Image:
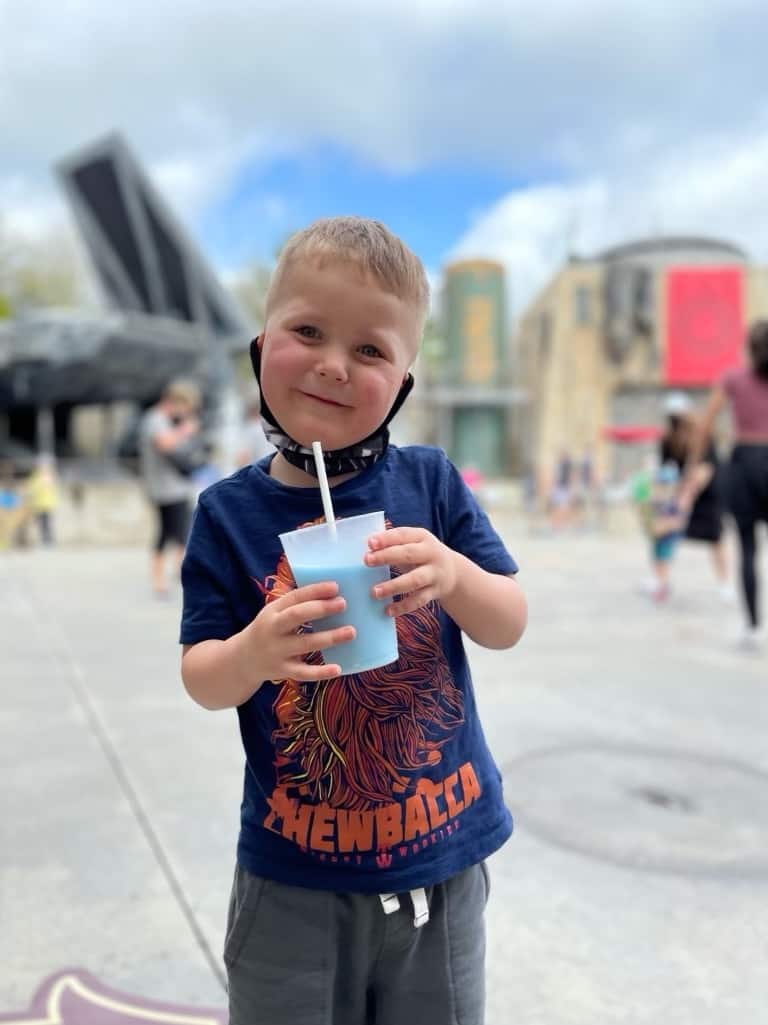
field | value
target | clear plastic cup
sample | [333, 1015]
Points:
[315, 555]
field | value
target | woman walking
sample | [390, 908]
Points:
[745, 390]
[705, 519]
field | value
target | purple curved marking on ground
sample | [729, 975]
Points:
[75, 997]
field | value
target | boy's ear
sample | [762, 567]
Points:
[255, 354]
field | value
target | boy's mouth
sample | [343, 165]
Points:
[320, 398]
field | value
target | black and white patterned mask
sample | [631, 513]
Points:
[341, 460]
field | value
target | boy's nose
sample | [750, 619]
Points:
[332, 365]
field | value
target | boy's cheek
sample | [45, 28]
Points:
[280, 364]
[381, 391]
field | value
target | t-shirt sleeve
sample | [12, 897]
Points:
[206, 576]
[467, 529]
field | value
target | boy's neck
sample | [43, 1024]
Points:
[295, 477]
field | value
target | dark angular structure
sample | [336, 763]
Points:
[168, 314]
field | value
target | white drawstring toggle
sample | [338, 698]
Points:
[390, 902]
[420, 908]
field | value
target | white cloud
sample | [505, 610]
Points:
[402, 83]
[594, 93]
[191, 181]
[27, 211]
[711, 188]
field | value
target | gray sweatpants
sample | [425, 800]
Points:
[312, 957]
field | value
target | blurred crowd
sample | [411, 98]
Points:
[686, 490]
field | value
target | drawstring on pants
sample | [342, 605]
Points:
[391, 903]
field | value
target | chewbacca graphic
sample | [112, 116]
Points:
[356, 742]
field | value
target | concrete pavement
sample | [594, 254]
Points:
[632, 741]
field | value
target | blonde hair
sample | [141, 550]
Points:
[183, 390]
[367, 244]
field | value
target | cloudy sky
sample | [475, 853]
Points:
[498, 128]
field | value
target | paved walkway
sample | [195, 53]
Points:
[632, 741]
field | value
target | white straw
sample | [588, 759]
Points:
[325, 491]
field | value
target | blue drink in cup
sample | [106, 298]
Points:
[315, 555]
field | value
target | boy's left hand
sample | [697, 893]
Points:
[428, 568]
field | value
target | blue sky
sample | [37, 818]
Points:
[429, 208]
[505, 129]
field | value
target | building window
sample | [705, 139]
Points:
[642, 300]
[582, 305]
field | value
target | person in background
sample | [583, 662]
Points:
[705, 519]
[666, 520]
[745, 391]
[530, 488]
[587, 499]
[42, 494]
[561, 493]
[475, 481]
[640, 487]
[13, 509]
[166, 428]
[253, 443]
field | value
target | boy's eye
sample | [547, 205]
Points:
[307, 331]
[369, 350]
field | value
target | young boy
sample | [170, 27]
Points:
[370, 801]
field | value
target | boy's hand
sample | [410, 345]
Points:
[428, 568]
[275, 643]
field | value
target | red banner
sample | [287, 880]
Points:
[705, 330]
[629, 434]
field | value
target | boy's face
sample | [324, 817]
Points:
[335, 351]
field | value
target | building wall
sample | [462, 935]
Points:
[475, 364]
[587, 364]
[756, 294]
[475, 317]
[562, 367]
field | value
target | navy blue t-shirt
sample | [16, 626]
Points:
[377, 782]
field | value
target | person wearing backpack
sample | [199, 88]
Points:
[166, 432]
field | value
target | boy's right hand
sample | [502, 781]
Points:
[276, 644]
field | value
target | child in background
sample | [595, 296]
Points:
[667, 523]
[42, 493]
[370, 801]
[13, 509]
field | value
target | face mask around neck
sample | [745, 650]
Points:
[353, 458]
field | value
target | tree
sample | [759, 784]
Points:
[250, 289]
[432, 353]
[39, 273]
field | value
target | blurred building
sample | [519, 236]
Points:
[470, 397]
[608, 336]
